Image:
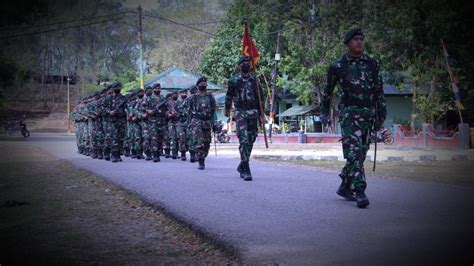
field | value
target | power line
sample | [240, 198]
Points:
[179, 24]
[53, 30]
[61, 22]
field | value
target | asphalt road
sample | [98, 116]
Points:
[291, 215]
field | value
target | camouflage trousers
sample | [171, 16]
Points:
[201, 138]
[114, 135]
[355, 126]
[152, 136]
[166, 138]
[87, 135]
[247, 130]
[97, 134]
[135, 136]
[189, 138]
[79, 128]
[173, 135]
[128, 136]
[182, 131]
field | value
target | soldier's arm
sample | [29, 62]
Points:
[379, 95]
[331, 81]
[229, 96]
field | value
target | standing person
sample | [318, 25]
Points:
[181, 107]
[189, 135]
[115, 107]
[166, 135]
[242, 91]
[362, 109]
[154, 114]
[202, 110]
[173, 124]
[137, 125]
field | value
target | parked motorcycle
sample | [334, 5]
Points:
[222, 136]
[383, 135]
[14, 126]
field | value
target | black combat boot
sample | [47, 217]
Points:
[140, 154]
[107, 154]
[344, 191]
[115, 156]
[126, 152]
[133, 153]
[240, 169]
[247, 175]
[94, 154]
[192, 156]
[79, 150]
[100, 154]
[361, 198]
[148, 155]
[183, 156]
[201, 164]
[175, 154]
[87, 152]
[167, 153]
[156, 156]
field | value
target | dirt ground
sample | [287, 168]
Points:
[53, 213]
[448, 172]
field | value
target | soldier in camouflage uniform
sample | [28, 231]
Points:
[242, 91]
[189, 137]
[91, 113]
[202, 109]
[182, 107]
[115, 108]
[97, 130]
[153, 112]
[362, 109]
[134, 132]
[173, 124]
[166, 135]
[77, 119]
[127, 143]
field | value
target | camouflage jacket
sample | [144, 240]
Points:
[182, 107]
[202, 110]
[360, 85]
[154, 103]
[115, 103]
[243, 92]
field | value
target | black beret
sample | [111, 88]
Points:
[201, 79]
[115, 84]
[183, 91]
[156, 85]
[351, 33]
[193, 88]
[148, 88]
[243, 58]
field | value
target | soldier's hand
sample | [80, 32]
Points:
[112, 113]
[134, 119]
[149, 112]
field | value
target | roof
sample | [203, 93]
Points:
[176, 78]
[312, 109]
[220, 98]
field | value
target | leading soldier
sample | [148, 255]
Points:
[242, 91]
[362, 109]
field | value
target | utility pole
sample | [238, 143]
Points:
[140, 39]
[68, 107]
[274, 78]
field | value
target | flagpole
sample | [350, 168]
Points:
[445, 52]
[258, 94]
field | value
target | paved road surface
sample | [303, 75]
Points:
[291, 215]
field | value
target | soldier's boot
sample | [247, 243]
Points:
[247, 176]
[140, 154]
[183, 156]
[167, 153]
[174, 154]
[79, 150]
[241, 170]
[100, 154]
[344, 191]
[133, 153]
[107, 154]
[148, 155]
[192, 156]
[201, 164]
[156, 156]
[126, 152]
[115, 156]
[361, 198]
[94, 154]
[87, 152]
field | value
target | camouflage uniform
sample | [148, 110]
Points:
[116, 123]
[202, 119]
[182, 107]
[154, 123]
[243, 93]
[173, 124]
[361, 90]
[189, 135]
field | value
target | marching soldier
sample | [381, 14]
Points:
[242, 91]
[362, 109]
[182, 106]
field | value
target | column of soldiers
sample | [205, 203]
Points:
[143, 124]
